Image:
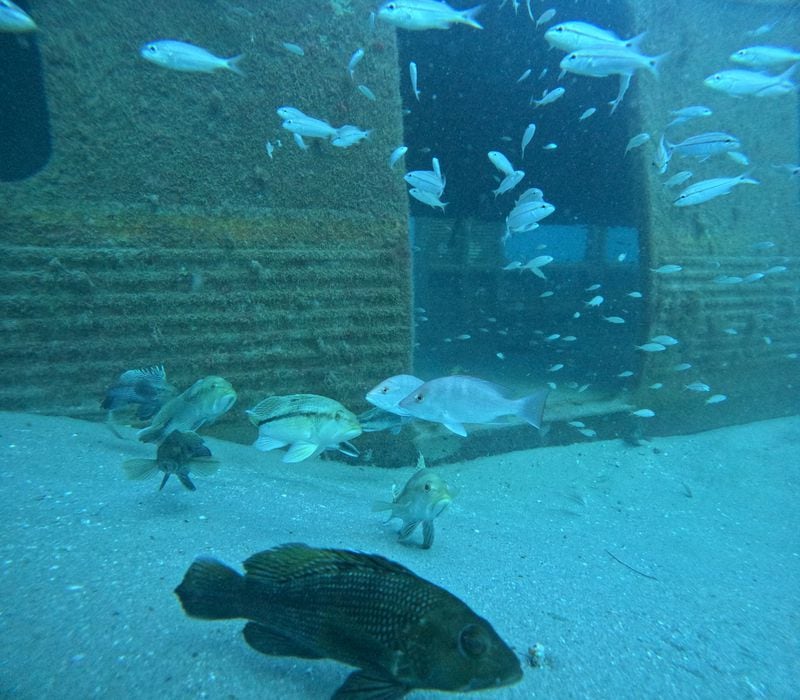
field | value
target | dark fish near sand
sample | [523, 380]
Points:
[400, 631]
[146, 388]
[179, 454]
[201, 404]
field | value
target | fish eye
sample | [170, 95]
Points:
[427, 486]
[419, 397]
[391, 6]
[151, 48]
[385, 390]
[471, 641]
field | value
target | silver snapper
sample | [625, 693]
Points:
[307, 423]
[426, 14]
[706, 190]
[187, 58]
[391, 391]
[747, 82]
[453, 401]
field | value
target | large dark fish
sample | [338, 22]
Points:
[177, 455]
[400, 631]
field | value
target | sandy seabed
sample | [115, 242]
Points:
[669, 570]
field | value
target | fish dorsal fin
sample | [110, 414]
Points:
[296, 560]
[421, 462]
[273, 643]
[366, 685]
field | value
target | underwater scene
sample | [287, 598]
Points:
[367, 350]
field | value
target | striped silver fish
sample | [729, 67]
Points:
[307, 423]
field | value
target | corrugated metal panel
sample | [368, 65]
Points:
[283, 311]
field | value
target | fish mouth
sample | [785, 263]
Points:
[223, 403]
[439, 506]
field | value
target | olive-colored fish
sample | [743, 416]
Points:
[401, 631]
[178, 454]
[423, 498]
[201, 404]
[307, 423]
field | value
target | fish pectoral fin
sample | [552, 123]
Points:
[427, 534]
[298, 451]
[456, 428]
[203, 466]
[367, 685]
[139, 468]
[264, 443]
[185, 480]
[408, 528]
[272, 643]
[347, 448]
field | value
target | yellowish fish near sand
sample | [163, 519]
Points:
[424, 497]
[307, 423]
[201, 404]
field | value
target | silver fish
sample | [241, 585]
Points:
[391, 391]
[509, 182]
[427, 197]
[704, 145]
[453, 401]
[426, 14]
[413, 76]
[307, 423]
[706, 190]
[348, 135]
[765, 56]
[499, 161]
[571, 36]
[181, 56]
[355, 59]
[746, 82]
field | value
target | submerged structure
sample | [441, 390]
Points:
[144, 221]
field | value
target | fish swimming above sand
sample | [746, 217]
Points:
[392, 390]
[400, 631]
[424, 497]
[177, 455]
[307, 423]
[146, 388]
[453, 401]
[201, 404]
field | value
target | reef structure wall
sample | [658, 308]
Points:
[161, 231]
[734, 306]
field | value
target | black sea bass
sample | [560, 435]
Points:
[399, 630]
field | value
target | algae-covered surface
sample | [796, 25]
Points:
[657, 571]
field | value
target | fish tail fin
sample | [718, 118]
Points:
[745, 178]
[211, 591]
[137, 469]
[232, 64]
[654, 64]
[635, 41]
[531, 408]
[468, 16]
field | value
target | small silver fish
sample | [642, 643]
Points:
[417, 15]
[706, 190]
[293, 48]
[348, 135]
[414, 76]
[429, 198]
[364, 90]
[765, 56]
[187, 58]
[355, 59]
[587, 113]
[636, 141]
[424, 497]
[548, 97]
[530, 130]
[745, 82]
[397, 154]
